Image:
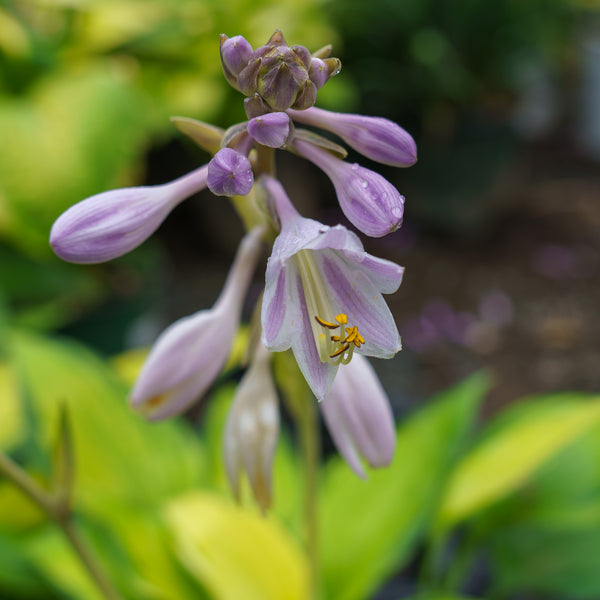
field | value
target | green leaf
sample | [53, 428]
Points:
[119, 457]
[368, 528]
[509, 454]
[558, 558]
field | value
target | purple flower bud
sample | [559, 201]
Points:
[235, 54]
[322, 69]
[188, 356]
[374, 137]
[113, 223]
[272, 129]
[369, 201]
[318, 72]
[230, 173]
[359, 417]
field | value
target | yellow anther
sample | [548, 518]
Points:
[342, 344]
[340, 351]
[326, 323]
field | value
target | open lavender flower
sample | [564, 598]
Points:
[359, 417]
[323, 295]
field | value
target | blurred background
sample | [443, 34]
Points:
[501, 237]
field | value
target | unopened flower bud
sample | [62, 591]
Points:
[252, 430]
[113, 223]
[272, 129]
[369, 201]
[374, 137]
[321, 70]
[235, 54]
[187, 357]
[230, 174]
[280, 76]
[359, 417]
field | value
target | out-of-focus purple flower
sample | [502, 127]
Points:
[323, 295]
[559, 262]
[188, 356]
[272, 129]
[252, 430]
[496, 308]
[113, 223]
[230, 173]
[235, 54]
[359, 417]
[369, 201]
[376, 138]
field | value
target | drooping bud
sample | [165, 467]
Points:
[113, 223]
[235, 54]
[252, 430]
[187, 357]
[272, 129]
[230, 174]
[359, 417]
[376, 138]
[369, 201]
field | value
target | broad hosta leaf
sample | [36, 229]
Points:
[512, 451]
[119, 456]
[78, 132]
[236, 553]
[545, 539]
[368, 528]
[558, 557]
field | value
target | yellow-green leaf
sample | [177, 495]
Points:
[236, 553]
[504, 460]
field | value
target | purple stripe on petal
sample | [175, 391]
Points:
[364, 305]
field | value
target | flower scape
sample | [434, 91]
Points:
[323, 294]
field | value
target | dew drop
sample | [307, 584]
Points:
[364, 184]
[355, 167]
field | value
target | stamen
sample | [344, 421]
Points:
[326, 323]
[343, 344]
[340, 351]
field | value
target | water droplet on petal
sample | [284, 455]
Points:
[355, 167]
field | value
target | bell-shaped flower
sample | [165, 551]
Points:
[188, 356]
[369, 201]
[376, 138]
[359, 417]
[252, 430]
[230, 173]
[323, 295]
[113, 223]
[272, 129]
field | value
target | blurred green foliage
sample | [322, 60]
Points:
[87, 87]
[151, 497]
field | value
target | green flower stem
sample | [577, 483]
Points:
[57, 509]
[311, 451]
